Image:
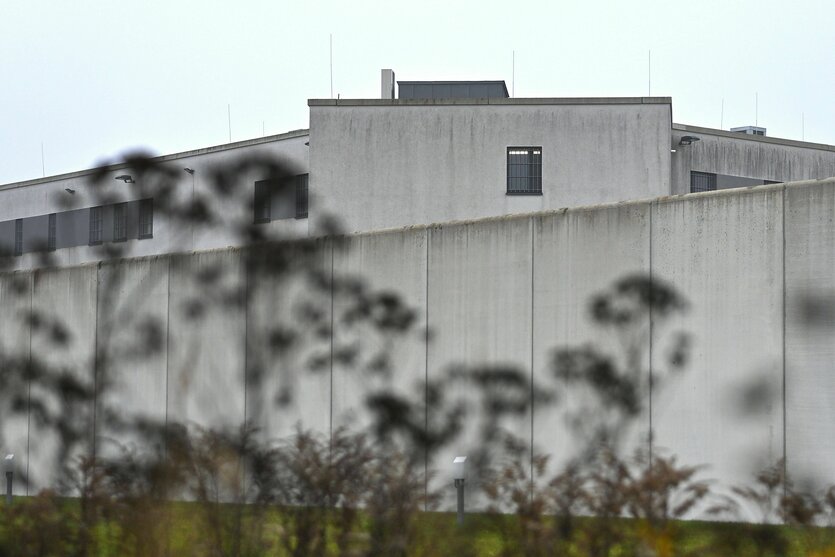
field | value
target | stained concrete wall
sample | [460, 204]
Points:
[41, 197]
[393, 163]
[755, 265]
[746, 156]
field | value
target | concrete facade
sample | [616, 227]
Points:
[34, 200]
[755, 265]
[388, 164]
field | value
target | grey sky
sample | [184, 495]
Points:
[91, 79]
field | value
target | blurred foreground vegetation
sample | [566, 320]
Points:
[48, 525]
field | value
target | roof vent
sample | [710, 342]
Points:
[749, 130]
[452, 90]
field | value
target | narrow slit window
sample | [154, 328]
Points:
[301, 196]
[95, 225]
[146, 219]
[120, 222]
[51, 232]
[18, 237]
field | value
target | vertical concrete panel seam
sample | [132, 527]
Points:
[533, 268]
[426, 374]
[652, 206]
[783, 346]
[167, 357]
[333, 334]
[29, 382]
[245, 300]
[96, 358]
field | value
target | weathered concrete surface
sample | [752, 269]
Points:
[502, 291]
[132, 343]
[207, 328]
[723, 252]
[810, 332]
[290, 387]
[63, 343]
[15, 305]
[479, 314]
[368, 259]
[383, 166]
[577, 255]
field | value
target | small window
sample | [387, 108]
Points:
[51, 238]
[95, 225]
[263, 200]
[524, 170]
[18, 237]
[146, 219]
[301, 196]
[120, 222]
[702, 181]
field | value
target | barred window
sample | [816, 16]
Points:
[263, 199]
[524, 170]
[301, 196]
[95, 225]
[146, 219]
[51, 242]
[18, 237]
[120, 222]
[702, 181]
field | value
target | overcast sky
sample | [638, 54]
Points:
[92, 79]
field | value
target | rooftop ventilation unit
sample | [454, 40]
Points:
[452, 90]
[749, 130]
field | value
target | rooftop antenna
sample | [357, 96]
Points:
[331, 53]
[513, 76]
[649, 73]
[803, 126]
[229, 117]
[43, 166]
[722, 115]
[262, 128]
[756, 109]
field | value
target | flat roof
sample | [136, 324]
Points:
[162, 158]
[497, 101]
[757, 138]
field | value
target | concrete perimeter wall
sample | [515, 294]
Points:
[756, 265]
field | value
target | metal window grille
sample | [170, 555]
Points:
[95, 225]
[301, 196]
[51, 235]
[18, 237]
[524, 170]
[120, 224]
[263, 198]
[702, 181]
[146, 219]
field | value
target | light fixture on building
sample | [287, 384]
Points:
[126, 178]
[189, 170]
[69, 191]
[688, 140]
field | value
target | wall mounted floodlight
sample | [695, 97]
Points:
[689, 140]
[459, 473]
[8, 466]
[189, 170]
[126, 178]
[69, 191]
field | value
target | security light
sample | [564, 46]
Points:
[69, 191]
[689, 140]
[126, 178]
[189, 170]
[8, 466]
[459, 472]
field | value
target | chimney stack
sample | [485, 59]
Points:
[387, 86]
